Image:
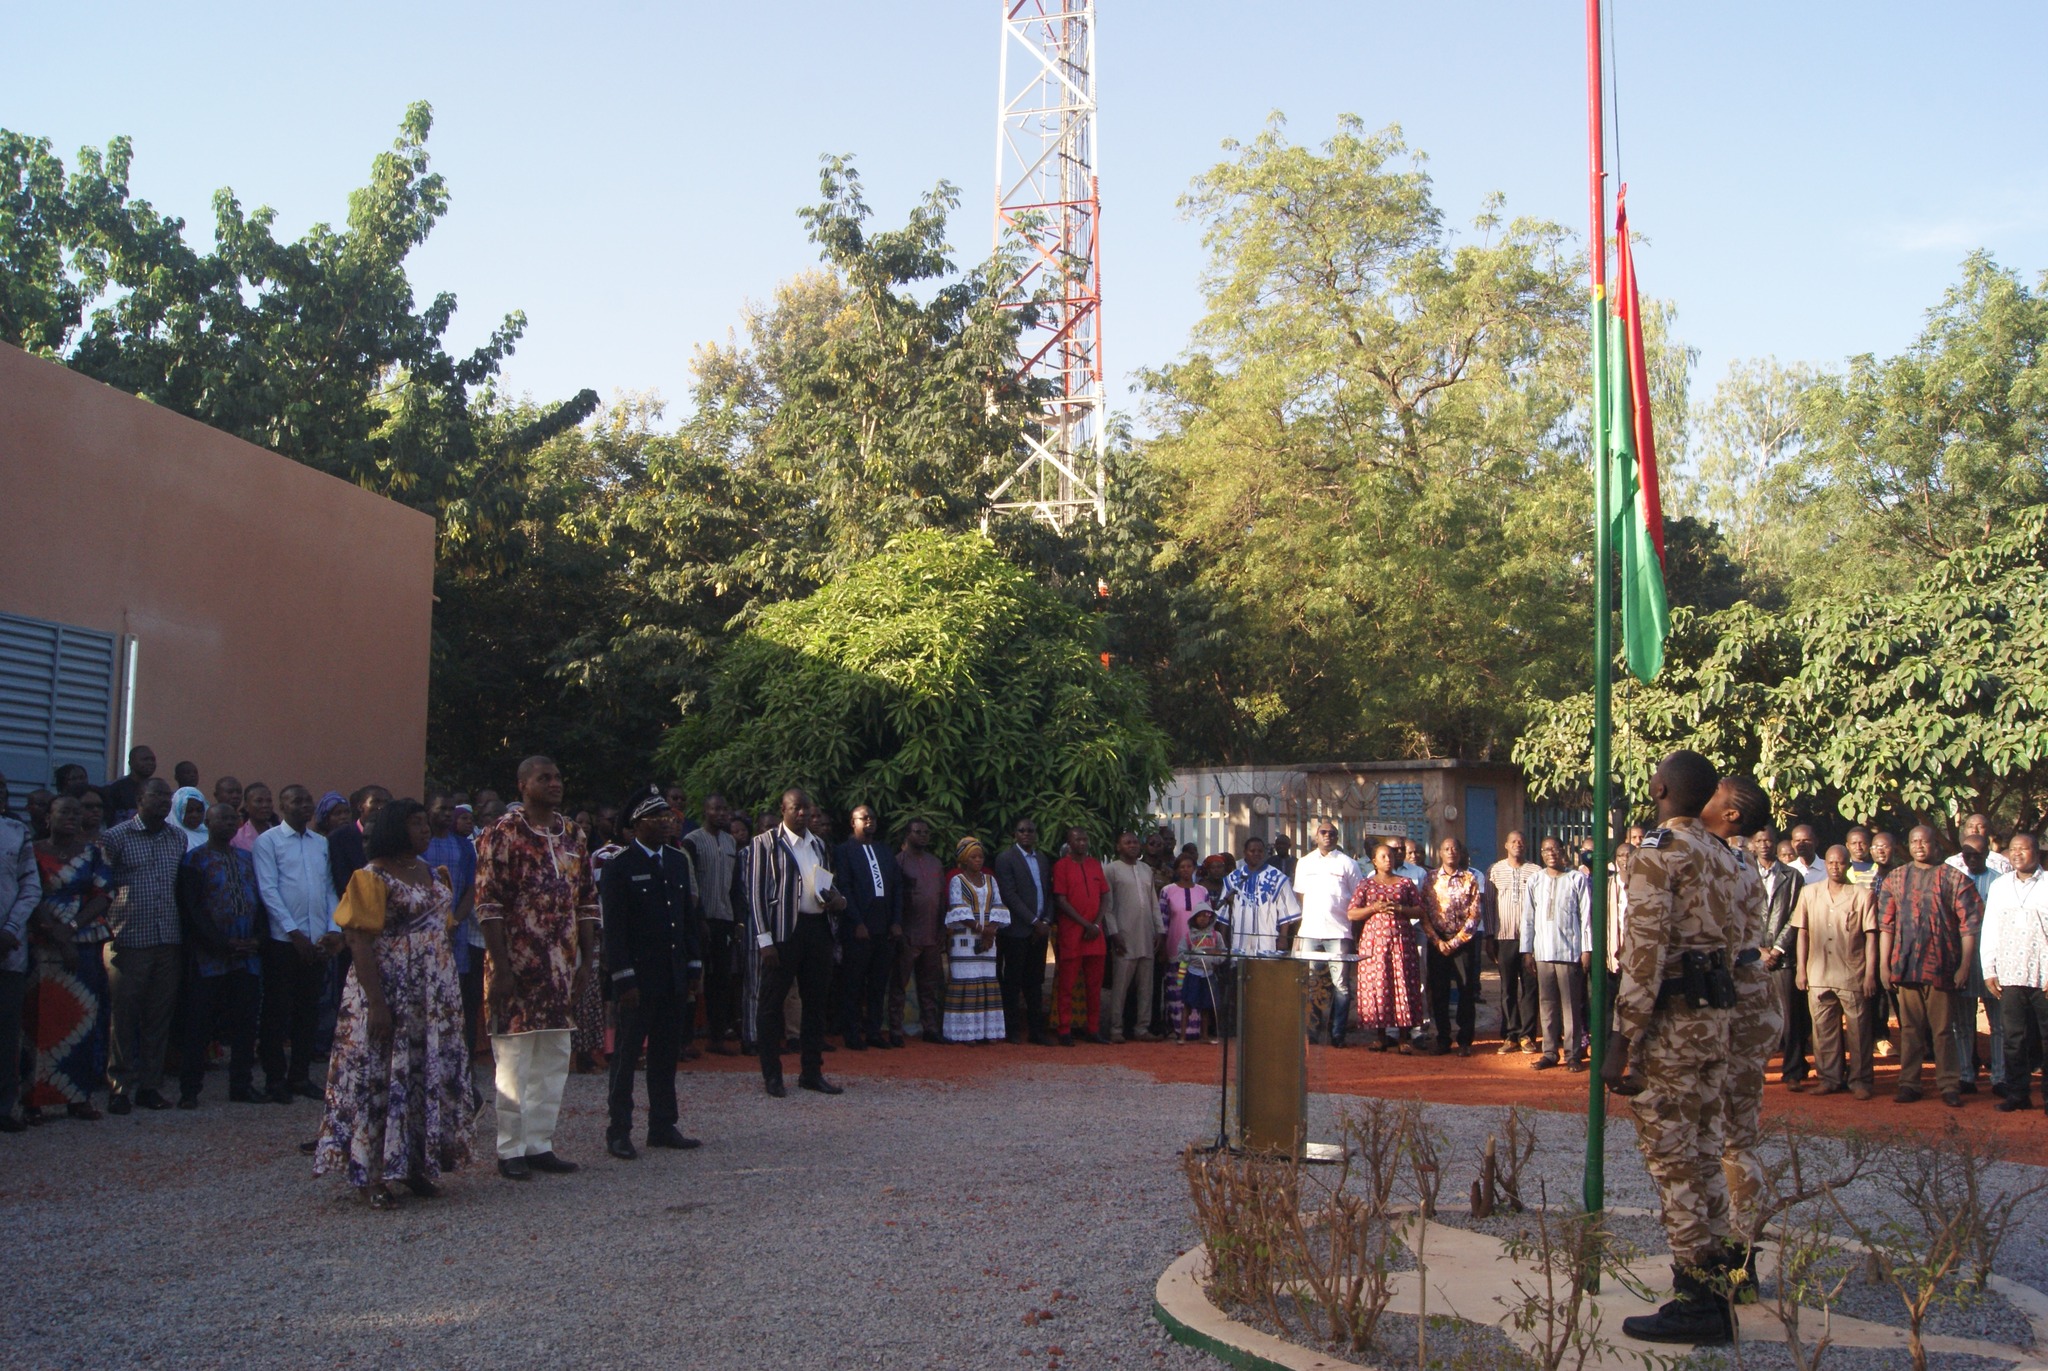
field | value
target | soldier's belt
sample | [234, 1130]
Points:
[1703, 982]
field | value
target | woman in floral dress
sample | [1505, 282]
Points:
[64, 1015]
[398, 1097]
[1389, 968]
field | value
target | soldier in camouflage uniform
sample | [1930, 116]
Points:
[1739, 808]
[1682, 898]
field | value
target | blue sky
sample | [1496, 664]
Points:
[1809, 174]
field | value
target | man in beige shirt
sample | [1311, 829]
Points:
[1837, 968]
[1130, 918]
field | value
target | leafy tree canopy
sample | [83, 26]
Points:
[1373, 463]
[934, 680]
[1931, 703]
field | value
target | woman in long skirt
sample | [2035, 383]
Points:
[398, 1098]
[64, 1015]
[1389, 963]
[974, 910]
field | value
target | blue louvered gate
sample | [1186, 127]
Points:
[57, 684]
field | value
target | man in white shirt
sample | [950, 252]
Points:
[1324, 879]
[1977, 828]
[1806, 858]
[1509, 879]
[297, 887]
[2014, 937]
[1555, 915]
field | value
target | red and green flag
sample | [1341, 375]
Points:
[1635, 515]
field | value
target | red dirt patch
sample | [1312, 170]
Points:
[1484, 1078]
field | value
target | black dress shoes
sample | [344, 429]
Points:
[514, 1169]
[150, 1099]
[818, 1084]
[672, 1137]
[119, 1104]
[776, 1089]
[622, 1148]
[550, 1163]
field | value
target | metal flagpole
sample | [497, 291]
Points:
[1603, 630]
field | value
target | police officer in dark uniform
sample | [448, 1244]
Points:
[649, 902]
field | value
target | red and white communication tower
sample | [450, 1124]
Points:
[1049, 202]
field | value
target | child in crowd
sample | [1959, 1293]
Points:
[1197, 991]
[1178, 903]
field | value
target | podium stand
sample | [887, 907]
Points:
[1268, 1109]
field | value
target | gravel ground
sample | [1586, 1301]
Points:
[1021, 1222]
[1017, 1220]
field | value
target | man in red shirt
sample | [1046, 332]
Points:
[1078, 889]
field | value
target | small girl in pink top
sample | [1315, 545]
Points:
[1179, 902]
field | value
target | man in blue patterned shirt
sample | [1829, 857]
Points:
[223, 918]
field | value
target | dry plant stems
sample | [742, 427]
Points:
[1919, 1246]
[1555, 1306]
[1518, 1146]
[1485, 1190]
[1425, 1157]
[1812, 1269]
[1802, 1171]
[1809, 1162]
[1996, 1215]
[1424, 1144]
[1304, 1243]
[1243, 1210]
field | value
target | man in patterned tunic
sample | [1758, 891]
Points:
[537, 907]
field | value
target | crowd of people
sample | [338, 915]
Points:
[152, 926]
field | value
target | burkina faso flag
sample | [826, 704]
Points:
[1634, 514]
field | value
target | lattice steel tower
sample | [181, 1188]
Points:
[1049, 202]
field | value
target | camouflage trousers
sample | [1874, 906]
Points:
[1683, 1060]
[1754, 1027]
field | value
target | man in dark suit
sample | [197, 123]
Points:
[1024, 876]
[651, 958]
[867, 875]
[1779, 940]
[790, 900]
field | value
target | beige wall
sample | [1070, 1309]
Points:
[282, 617]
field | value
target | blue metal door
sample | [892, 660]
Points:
[56, 700]
[1482, 820]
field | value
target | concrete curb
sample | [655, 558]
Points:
[1183, 1309]
[1181, 1306]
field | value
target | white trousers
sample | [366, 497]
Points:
[532, 1069]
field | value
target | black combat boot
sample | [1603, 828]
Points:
[1697, 1315]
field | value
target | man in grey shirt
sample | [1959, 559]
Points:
[714, 854]
[146, 955]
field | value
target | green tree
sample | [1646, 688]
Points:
[1926, 452]
[1749, 473]
[892, 382]
[314, 349]
[1374, 461]
[934, 680]
[1929, 703]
